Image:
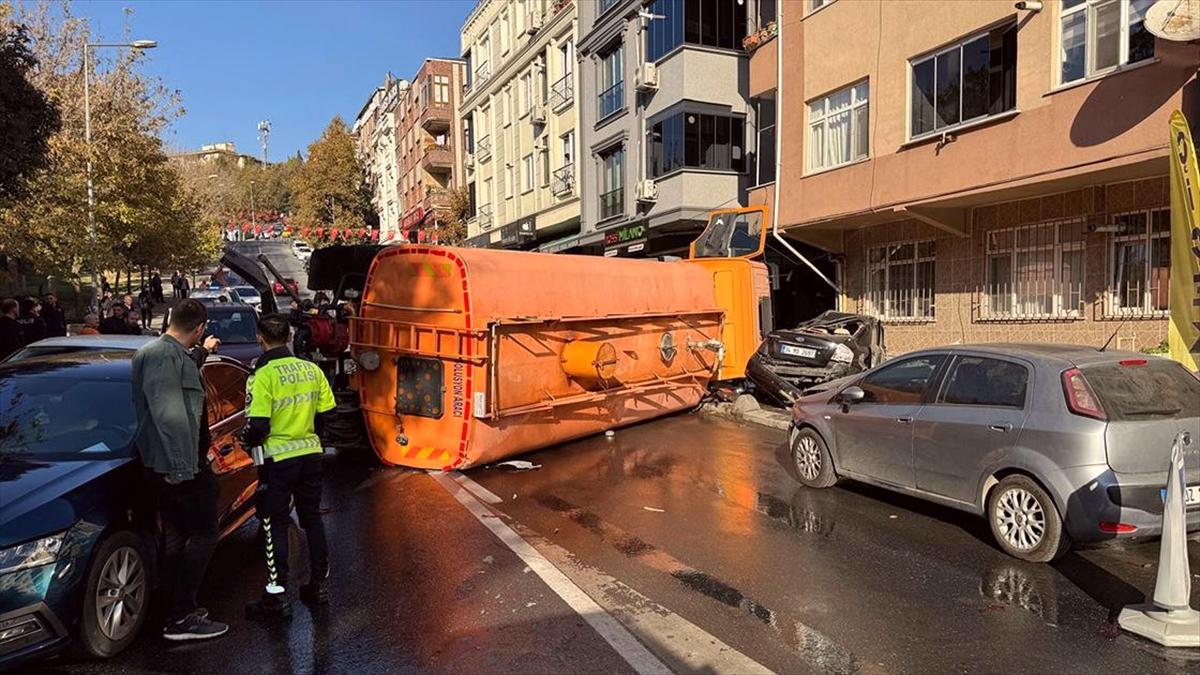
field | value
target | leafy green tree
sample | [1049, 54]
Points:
[28, 118]
[329, 189]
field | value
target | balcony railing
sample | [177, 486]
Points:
[483, 216]
[483, 149]
[612, 203]
[437, 157]
[436, 118]
[612, 99]
[482, 72]
[563, 182]
[562, 92]
[436, 198]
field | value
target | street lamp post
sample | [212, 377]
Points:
[87, 139]
[253, 215]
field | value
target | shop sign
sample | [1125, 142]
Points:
[624, 235]
[413, 217]
[515, 234]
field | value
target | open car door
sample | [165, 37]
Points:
[732, 233]
[249, 270]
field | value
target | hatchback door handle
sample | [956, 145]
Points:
[904, 420]
[1000, 427]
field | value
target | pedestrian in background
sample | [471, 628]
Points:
[284, 397]
[55, 317]
[184, 286]
[146, 305]
[127, 300]
[175, 284]
[33, 326]
[156, 288]
[133, 323]
[106, 304]
[12, 337]
[168, 399]
[91, 324]
[114, 324]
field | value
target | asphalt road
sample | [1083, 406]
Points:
[692, 534]
[280, 253]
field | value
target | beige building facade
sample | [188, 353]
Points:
[980, 172]
[520, 116]
[375, 132]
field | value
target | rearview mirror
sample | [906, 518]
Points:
[853, 395]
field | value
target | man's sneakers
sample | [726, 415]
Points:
[269, 606]
[194, 627]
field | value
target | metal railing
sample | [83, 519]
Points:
[482, 72]
[483, 149]
[612, 99]
[483, 216]
[1139, 299]
[1031, 300]
[563, 181]
[612, 203]
[562, 92]
[900, 304]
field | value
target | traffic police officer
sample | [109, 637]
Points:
[284, 397]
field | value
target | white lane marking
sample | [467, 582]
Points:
[621, 640]
[697, 649]
[484, 494]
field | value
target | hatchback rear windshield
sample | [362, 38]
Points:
[1155, 389]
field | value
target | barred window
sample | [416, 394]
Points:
[1035, 272]
[1139, 264]
[900, 280]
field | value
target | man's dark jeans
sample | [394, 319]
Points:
[189, 518]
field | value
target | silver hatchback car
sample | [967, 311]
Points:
[1051, 443]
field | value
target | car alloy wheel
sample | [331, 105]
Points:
[121, 593]
[1020, 519]
[807, 457]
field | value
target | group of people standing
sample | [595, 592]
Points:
[28, 320]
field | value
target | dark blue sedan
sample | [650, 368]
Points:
[79, 541]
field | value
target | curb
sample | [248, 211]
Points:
[772, 418]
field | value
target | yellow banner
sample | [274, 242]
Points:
[1183, 334]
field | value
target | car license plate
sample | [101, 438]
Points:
[1191, 495]
[803, 352]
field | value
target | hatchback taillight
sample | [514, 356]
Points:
[1080, 399]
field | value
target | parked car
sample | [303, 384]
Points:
[78, 343]
[250, 296]
[214, 296]
[1051, 443]
[237, 327]
[301, 250]
[79, 541]
[291, 283]
[824, 348]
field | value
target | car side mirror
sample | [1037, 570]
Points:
[853, 395]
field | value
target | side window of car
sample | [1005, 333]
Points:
[227, 385]
[975, 380]
[900, 382]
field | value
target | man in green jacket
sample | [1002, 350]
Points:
[168, 399]
[284, 397]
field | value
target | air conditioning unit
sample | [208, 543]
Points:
[647, 191]
[538, 114]
[533, 23]
[648, 77]
[470, 160]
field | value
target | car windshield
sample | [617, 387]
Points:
[233, 326]
[1137, 390]
[247, 292]
[60, 416]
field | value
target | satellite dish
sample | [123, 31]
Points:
[1176, 20]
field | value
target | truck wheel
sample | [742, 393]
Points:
[1024, 520]
[117, 596]
[811, 458]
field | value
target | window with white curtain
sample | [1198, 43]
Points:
[1096, 36]
[1140, 264]
[838, 128]
[1035, 271]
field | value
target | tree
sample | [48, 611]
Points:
[454, 232]
[27, 117]
[329, 190]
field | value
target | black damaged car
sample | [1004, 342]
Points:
[830, 346]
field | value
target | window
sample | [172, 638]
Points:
[526, 93]
[612, 182]
[568, 148]
[965, 82]
[975, 380]
[764, 109]
[484, 70]
[1096, 36]
[562, 92]
[901, 383]
[900, 280]
[838, 128]
[712, 23]
[1035, 272]
[612, 80]
[695, 140]
[510, 181]
[504, 32]
[767, 12]
[814, 5]
[606, 5]
[441, 88]
[1140, 264]
[545, 159]
[527, 173]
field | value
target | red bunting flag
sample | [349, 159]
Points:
[375, 235]
[320, 233]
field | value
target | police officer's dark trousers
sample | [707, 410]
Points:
[279, 482]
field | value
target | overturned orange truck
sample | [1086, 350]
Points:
[468, 356]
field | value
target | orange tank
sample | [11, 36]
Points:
[473, 355]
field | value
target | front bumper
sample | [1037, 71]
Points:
[1130, 499]
[784, 381]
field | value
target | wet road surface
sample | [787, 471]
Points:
[688, 530]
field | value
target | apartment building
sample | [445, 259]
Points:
[430, 152]
[666, 128]
[981, 172]
[375, 132]
[521, 112]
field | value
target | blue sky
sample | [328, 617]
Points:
[295, 63]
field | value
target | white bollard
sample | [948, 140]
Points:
[1169, 619]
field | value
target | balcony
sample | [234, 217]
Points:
[562, 92]
[483, 216]
[436, 119]
[437, 158]
[482, 72]
[562, 183]
[612, 203]
[483, 149]
[436, 199]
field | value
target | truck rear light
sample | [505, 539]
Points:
[1117, 528]
[1080, 399]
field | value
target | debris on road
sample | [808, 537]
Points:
[651, 508]
[519, 465]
